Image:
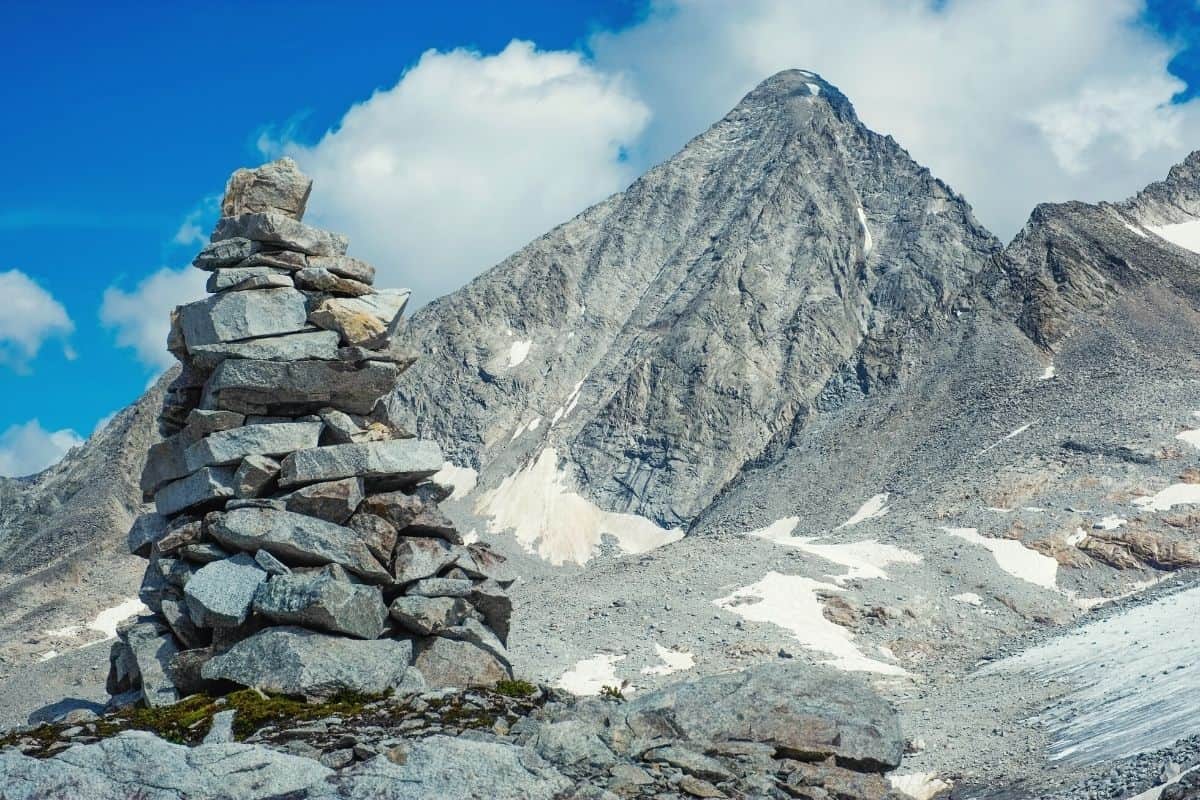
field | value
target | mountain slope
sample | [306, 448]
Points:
[675, 333]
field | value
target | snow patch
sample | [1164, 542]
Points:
[1047, 373]
[1010, 435]
[1109, 523]
[518, 351]
[919, 785]
[1183, 234]
[867, 242]
[106, 621]
[1136, 230]
[862, 560]
[590, 675]
[559, 525]
[791, 602]
[461, 479]
[1192, 437]
[970, 598]
[49, 654]
[872, 509]
[1014, 557]
[814, 88]
[1177, 494]
[530, 426]
[673, 661]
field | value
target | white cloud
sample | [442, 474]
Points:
[31, 316]
[1013, 102]
[142, 318]
[29, 448]
[200, 219]
[469, 157]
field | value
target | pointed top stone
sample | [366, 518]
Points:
[278, 187]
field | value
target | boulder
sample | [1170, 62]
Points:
[282, 232]
[296, 661]
[377, 534]
[220, 594]
[428, 616]
[147, 529]
[176, 615]
[241, 279]
[277, 187]
[403, 460]
[322, 603]
[333, 501]
[306, 345]
[490, 600]
[308, 384]
[230, 316]
[473, 631]
[274, 439]
[804, 712]
[365, 321]
[189, 532]
[203, 553]
[202, 487]
[416, 559]
[225, 253]
[296, 540]
[201, 422]
[165, 462]
[151, 648]
[254, 475]
[345, 266]
[318, 279]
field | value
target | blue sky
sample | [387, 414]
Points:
[125, 119]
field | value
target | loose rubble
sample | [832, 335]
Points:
[296, 544]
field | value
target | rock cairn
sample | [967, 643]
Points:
[296, 544]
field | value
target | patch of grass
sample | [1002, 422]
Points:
[515, 688]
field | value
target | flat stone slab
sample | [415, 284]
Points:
[220, 593]
[346, 266]
[319, 345]
[347, 387]
[334, 501]
[231, 446]
[296, 540]
[230, 316]
[410, 460]
[201, 487]
[297, 661]
[321, 602]
[281, 231]
[225, 253]
[242, 279]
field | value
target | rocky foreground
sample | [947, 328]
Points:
[784, 730]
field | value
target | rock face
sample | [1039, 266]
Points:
[274, 438]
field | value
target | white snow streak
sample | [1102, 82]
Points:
[864, 560]
[107, 620]
[1177, 494]
[1047, 373]
[591, 675]
[1183, 234]
[518, 352]
[461, 479]
[1010, 435]
[872, 509]
[814, 88]
[1014, 557]
[559, 525]
[867, 241]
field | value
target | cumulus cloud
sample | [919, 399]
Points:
[1013, 102]
[31, 317]
[467, 158]
[193, 229]
[141, 318]
[29, 448]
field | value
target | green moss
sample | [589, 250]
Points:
[515, 688]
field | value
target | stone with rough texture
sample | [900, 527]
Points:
[318, 279]
[176, 615]
[345, 266]
[202, 487]
[804, 712]
[271, 564]
[181, 533]
[310, 384]
[429, 616]
[377, 533]
[147, 529]
[296, 661]
[272, 439]
[225, 253]
[165, 462]
[202, 422]
[152, 648]
[230, 316]
[277, 187]
[473, 631]
[418, 558]
[406, 460]
[333, 501]
[280, 231]
[440, 587]
[243, 279]
[320, 345]
[362, 321]
[321, 602]
[490, 600]
[254, 474]
[296, 540]
[221, 593]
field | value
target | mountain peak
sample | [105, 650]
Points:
[796, 85]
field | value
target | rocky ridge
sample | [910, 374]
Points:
[296, 545]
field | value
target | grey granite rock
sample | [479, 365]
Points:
[307, 384]
[281, 232]
[182, 531]
[346, 266]
[203, 553]
[242, 279]
[322, 345]
[334, 501]
[220, 594]
[165, 462]
[296, 661]
[570, 741]
[201, 488]
[321, 602]
[152, 647]
[279, 259]
[494, 603]
[403, 460]
[230, 316]
[419, 558]
[429, 616]
[276, 187]
[365, 321]
[377, 534]
[296, 540]
[179, 620]
[271, 564]
[147, 529]
[202, 422]
[318, 279]
[254, 475]
[231, 446]
[473, 631]
[440, 587]
[221, 730]
[225, 253]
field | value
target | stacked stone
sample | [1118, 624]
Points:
[296, 544]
